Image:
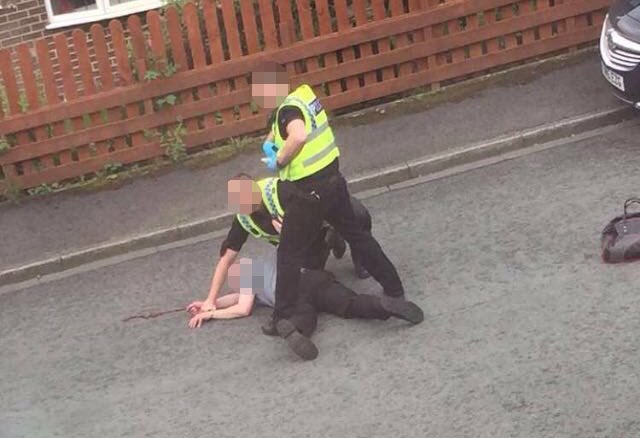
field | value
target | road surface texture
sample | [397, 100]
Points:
[527, 333]
[42, 228]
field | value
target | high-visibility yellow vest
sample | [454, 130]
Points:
[269, 190]
[320, 148]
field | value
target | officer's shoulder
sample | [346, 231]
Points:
[289, 113]
[288, 108]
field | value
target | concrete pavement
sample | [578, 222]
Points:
[40, 229]
[527, 333]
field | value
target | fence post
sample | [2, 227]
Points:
[3, 180]
[419, 36]
[431, 61]
[232, 31]
[348, 53]
[7, 73]
[330, 59]
[570, 26]
[287, 37]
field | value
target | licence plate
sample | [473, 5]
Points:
[614, 78]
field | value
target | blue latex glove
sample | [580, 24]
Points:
[271, 163]
[269, 148]
[271, 152]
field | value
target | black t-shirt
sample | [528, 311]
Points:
[237, 235]
[287, 114]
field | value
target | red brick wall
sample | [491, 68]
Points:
[21, 20]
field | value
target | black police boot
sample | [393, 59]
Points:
[269, 328]
[336, 243]
[402, 309]
[300, 344]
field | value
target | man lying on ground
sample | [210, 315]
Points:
[252, 280]
[260, 214]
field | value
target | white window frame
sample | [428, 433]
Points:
[104, 11]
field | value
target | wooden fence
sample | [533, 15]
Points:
[179, 79]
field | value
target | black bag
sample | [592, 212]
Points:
[620, 239]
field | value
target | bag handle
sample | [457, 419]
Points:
[628, 203]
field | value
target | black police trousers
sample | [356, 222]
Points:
[364, 221]
[314, 200]
[334, 298]
[316, 258]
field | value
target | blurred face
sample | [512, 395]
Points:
[269, 89]
[245, 274]
[243, 196]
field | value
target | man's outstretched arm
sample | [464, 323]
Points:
[241, 309]
[219, 277]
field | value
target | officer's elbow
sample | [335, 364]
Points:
[299, 138]
[297, 132]
[245, 310]
[245, 305]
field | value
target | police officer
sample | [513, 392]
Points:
[319, 252]
[306, 157]
[264, 222]
[260, 210]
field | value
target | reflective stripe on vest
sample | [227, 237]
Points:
[269, 189]
[320, 155]
[252, 228]
[312, 118]
[320, 147]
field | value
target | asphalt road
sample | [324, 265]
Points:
[527, 333]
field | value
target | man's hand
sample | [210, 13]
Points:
[277, 224]
[200, 306]
[196, 321]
